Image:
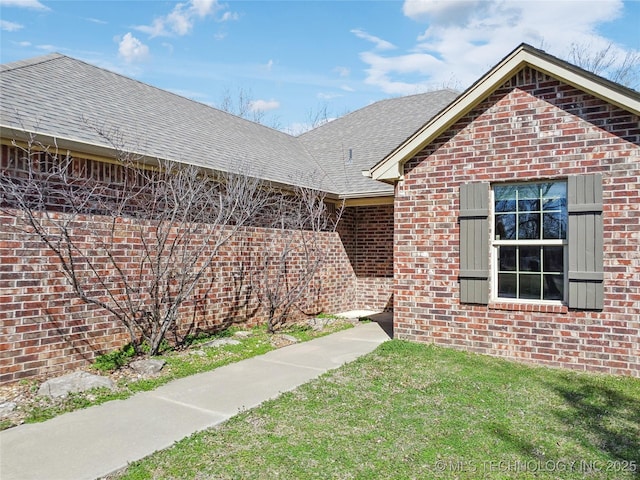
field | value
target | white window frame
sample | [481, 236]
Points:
[494, 244]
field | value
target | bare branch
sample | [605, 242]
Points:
[136, 241]
[608, 62]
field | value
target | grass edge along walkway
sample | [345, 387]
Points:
[92, 442]
[417, 411]
[179, 365]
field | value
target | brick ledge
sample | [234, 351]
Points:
[529, 307]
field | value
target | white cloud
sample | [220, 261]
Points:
[441, 11]
[347, 88]
[47, 47]
[229, 16]
[181, 19]
[10, 26]
[24, 44]
[263, 105]
[32, 4]
[342, 71]
[379, 43]
[382, 69]
[328, 96]
[96, 20]
[131, 49]
[269, 65]
[202, 8]
[464, 38]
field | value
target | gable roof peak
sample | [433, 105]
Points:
[524, 55]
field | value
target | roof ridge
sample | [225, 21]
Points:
[54, 56]
[29, 62]
[358, 111]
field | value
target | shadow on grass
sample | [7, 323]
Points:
[600, 416]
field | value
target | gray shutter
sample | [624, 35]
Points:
[474, 243]
[585, 235]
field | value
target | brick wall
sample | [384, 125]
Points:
[367, 235]
[532, 127]
[45, 329]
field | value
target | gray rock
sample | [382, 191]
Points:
[281, 340]
[149, 366]
[219, 342]
[318, 324]
[73, 383]
[242, 334]
[6, 408]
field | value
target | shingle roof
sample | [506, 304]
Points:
[61, 97]
[350, 144]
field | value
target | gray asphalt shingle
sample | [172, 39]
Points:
[63, 97]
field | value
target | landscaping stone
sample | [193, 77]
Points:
[219, 342]
[6, 408]
[282, 340]
[73, 383]
[147, 367]
[242, 334]
[318, 324]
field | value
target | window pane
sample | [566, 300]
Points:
[530, 286]
[505, 227]
[507, 258]
[554, 190]
[505, 198]
[557, 204]
[553, 287]
[553, 259]
[555, 225]
[529, 191]
[529, 259]
[507, 285]
[529, 205]
[529, 226]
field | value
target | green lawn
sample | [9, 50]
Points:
[416, 411]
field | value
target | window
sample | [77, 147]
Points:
[530, 241]
[14, 159]
[546, 242]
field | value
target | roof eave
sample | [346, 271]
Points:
[390, 169]
[16, 134]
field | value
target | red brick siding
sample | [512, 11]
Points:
[367, 235]
[45, 329]
[532, 127]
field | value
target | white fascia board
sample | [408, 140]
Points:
[12, 133]
[391, 167]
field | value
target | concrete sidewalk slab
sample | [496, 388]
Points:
[236, 387]
[94, 442]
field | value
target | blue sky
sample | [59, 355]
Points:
[297, 58]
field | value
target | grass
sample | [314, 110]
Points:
[179, 364]
[416, 411]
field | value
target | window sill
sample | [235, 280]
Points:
[528, 307]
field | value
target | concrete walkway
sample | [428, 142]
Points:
[94, 442]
